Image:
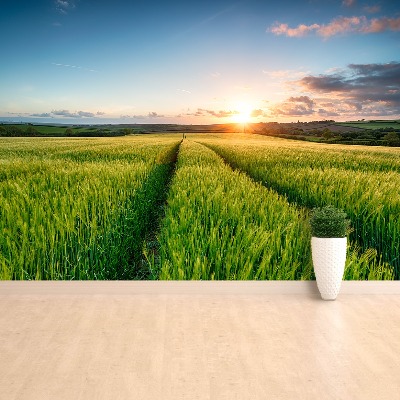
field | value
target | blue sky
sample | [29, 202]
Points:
[82, 61]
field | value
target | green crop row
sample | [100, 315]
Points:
[81, 218]
[219, 224]
[361, 182]
[88, 208]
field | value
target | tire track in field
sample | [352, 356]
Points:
[205, 235]
[137, 228]
[153, 212]
[235, 167]
[366, 260]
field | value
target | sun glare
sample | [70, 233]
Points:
[244, 113]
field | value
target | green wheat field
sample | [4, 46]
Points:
[207, 207]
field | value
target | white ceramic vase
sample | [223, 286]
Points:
[329, 257]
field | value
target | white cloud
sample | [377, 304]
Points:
[64, 6]
[184, 91]
[201, 112]
[348, 3]
[294, 106]
[285, 74]
[257, 113]
[301, 30]
[42, 115]
[372, 9]
[74, 66]
[340, 25]
[67, 114]
[153, 114]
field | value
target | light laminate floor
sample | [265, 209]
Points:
[171, 347]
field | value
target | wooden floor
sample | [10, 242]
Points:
[178, 346]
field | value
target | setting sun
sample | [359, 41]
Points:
[244, 113]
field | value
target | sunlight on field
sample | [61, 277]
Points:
[78, 208]
[217, 206]
[361, 180]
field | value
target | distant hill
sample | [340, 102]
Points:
[374, 133]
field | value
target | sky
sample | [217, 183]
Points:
[199, 62]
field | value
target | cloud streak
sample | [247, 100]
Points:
[201, 112]
[284, 74]
[348, 3]
[257, 113]
[64, 6]
[150, 115]
[42, 115]
[153, 114]
[294, 106]
[372, 9]
[184, 91]
[338, 26]
[381, 79]
[365, 90]
[68, 114]
[74, 66]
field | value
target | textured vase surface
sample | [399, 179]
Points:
[329, 257]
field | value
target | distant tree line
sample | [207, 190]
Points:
[7, 130]
[15, 130]
[388, 136]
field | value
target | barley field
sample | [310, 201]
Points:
[79, 209]
[219, 224]
[363, 182]
[223, 206]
